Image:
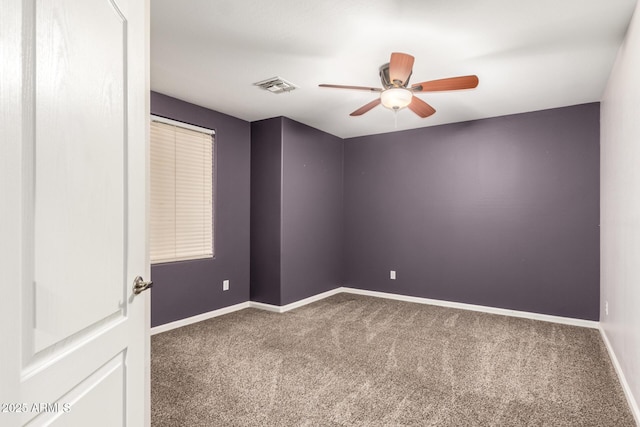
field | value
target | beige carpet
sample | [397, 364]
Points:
[351, 360]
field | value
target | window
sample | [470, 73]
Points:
[181, 219]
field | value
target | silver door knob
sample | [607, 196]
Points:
[140, 285]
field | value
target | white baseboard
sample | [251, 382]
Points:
[463, 306]
[398, 297]
[285, 308]
[633, 405]
[247, 304]
[198, 318]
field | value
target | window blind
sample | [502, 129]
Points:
[181, 217]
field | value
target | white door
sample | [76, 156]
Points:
[74, 120]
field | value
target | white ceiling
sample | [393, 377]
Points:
[528, 55]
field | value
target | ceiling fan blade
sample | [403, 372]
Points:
[360, 111]
[420, 107]
[370, 89]
[400, 67]
[452, 83]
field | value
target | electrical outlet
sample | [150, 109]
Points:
[606, 308]
[225, 285]
[392, 275]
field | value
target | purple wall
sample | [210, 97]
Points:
[188, 288]
[501, 212]
[296, 211]
[266, 209]
[312, 212]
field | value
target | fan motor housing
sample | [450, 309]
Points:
[386, 81]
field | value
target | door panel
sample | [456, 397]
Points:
[100, 393]
[80, 153]
[76, 96]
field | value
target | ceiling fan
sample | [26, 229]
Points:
[395, 93]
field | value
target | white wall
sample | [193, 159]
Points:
[620, 211]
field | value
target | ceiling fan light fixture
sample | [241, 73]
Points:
[396, 98]
[394, 94]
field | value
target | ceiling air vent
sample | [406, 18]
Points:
[276, 85]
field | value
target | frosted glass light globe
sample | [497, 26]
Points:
[396, 98]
